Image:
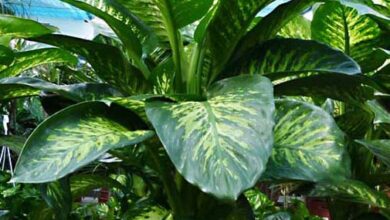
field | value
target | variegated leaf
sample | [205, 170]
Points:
[381, 114]
[6, 56]
[308, 144]
[280, 58]
[380, 148]
[343, 28]
[229, 23]
[340, 87]
[78, 135]
[84, 184]
[17, 87]
[125, 33]
[15, 143]
[14, 27]
[166, 17]
[30, 59]
[298, 28]
[222, 144]
[268, 27]
[107, 61]
[352, 191]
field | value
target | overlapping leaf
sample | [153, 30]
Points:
[280, 58]
[30, 59]
[15, 143]
[166, 17]
[17, 87]
[14, 27]
[340, 87]
[343, 28]
[298, 28]
[6, 56]
[123, 28]
[107, 61]
[308, 144]
[380, 148]
[58, 197]
[83, 184]
[78, 135]
[222, 144]
[381, 114]
[268, 27]
[352, 191]
[228, 24]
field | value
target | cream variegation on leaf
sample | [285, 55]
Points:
[222, 144]
[73, 138]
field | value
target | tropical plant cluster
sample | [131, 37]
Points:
[193, 105]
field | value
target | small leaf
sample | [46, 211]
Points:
[308, 144]
[380, 148]
[58, 197]
[15, 143]
[83, 184]
[352, 191]
[6, 56]
[222, 144]
[78, 135]
[381, 114]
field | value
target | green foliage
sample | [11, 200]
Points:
[189, 71]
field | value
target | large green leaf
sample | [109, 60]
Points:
[17, 87]
[78, 135]
[380, 148]
[222, 144]
[229, 23]
[343, 28]
[353, 191]
[107, 61]
[30, 59]
[281, 58]
[15, 27]
[15, 143]
[308, 144]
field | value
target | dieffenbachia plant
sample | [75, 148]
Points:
[210, 83]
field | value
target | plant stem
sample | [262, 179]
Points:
[168, 183]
